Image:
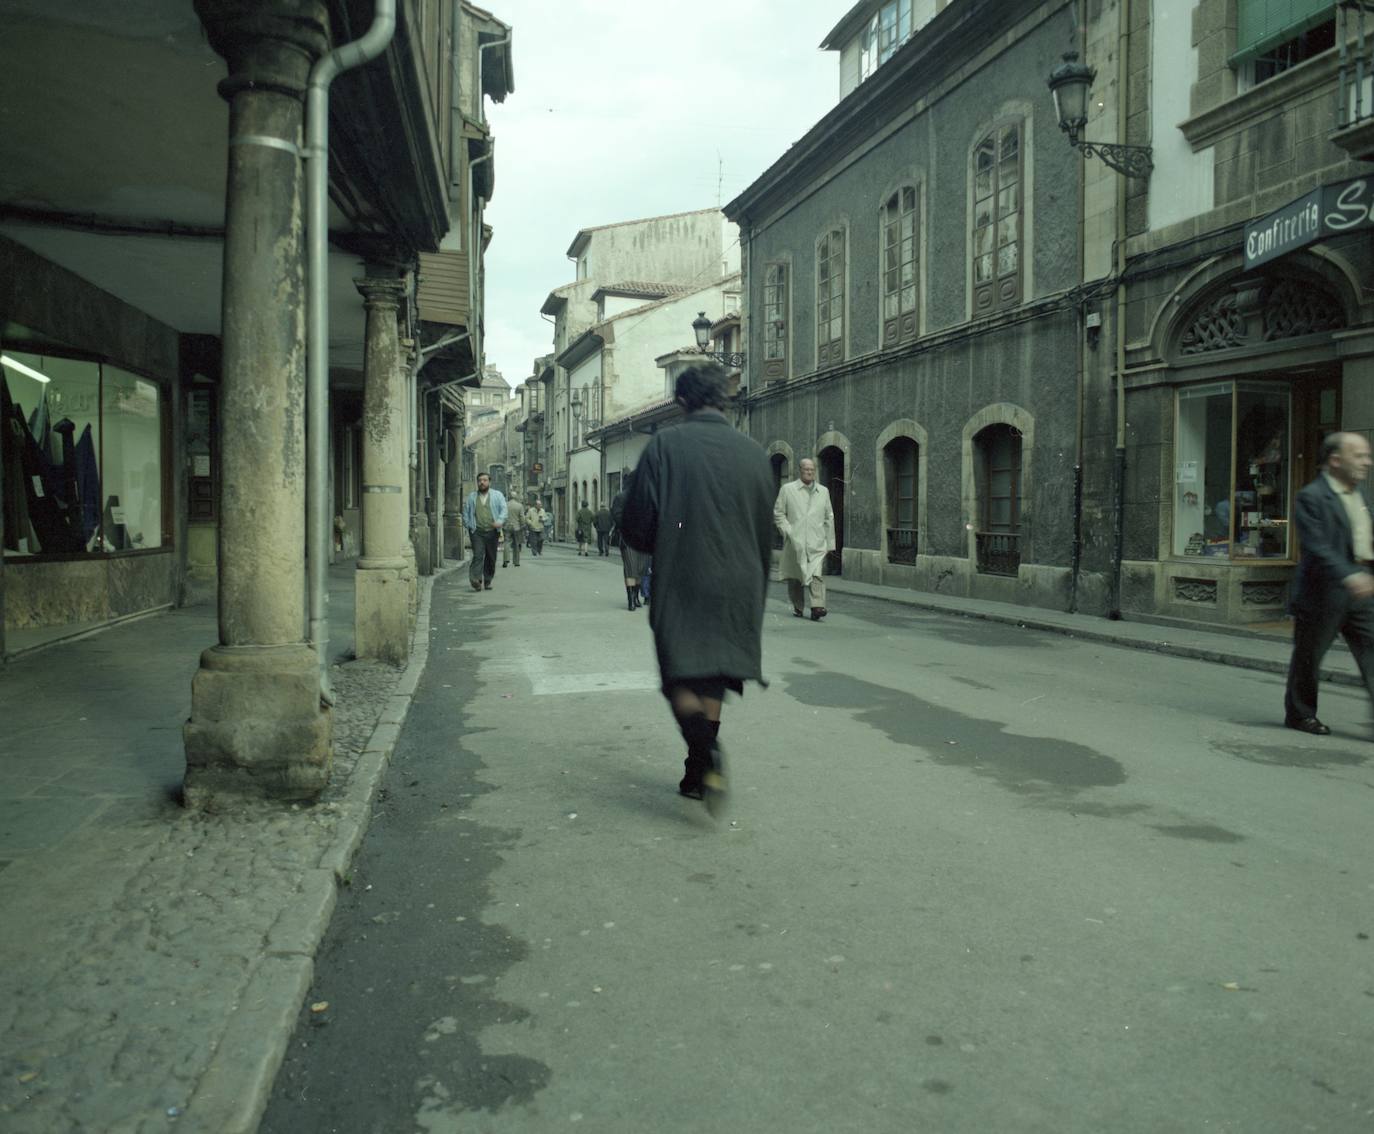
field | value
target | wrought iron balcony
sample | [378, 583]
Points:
[901, 545]
[999, 553]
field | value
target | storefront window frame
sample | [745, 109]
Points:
[167, 534]
[1237, 385]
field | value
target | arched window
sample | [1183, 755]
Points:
[997, 212]
[830, 297]
[900, 463]
[901, 257]
[997, 456]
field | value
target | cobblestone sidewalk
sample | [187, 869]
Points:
[153, 958]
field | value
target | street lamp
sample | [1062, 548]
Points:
[1070, 83]
[701, 328]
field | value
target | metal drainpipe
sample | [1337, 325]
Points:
[317, 519]
[474, 257]
[1119, 518]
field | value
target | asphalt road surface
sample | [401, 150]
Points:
[973, 878]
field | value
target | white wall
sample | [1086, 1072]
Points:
[1182, 179]
[636, 379]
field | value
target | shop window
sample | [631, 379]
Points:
[1232, 473]
[84, 451]
[997, 229]
[901, 256]
[998, 537]
[900, 457]
[830, 299]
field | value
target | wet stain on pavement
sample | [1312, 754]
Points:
[1043, 768]
[1205, 832]
[936, 1086]
[1290, 755]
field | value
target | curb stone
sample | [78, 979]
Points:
[232, 1095]
[1089, 633]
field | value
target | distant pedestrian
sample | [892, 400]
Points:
[632, 562]
[534, 527]
[700, 503]
[514, 533]
[806, 520]
[484, 513]
[586, 522]
[1333, 591]
[603, 524]
[548, 521]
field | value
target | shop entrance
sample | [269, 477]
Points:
[1317, 410]
[832, 477]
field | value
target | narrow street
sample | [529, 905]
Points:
[973, 879]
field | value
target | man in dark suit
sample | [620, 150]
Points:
[1334, 590]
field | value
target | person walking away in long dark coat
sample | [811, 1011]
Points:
[1334, 590]
[701, 502]
[585, 522]
[632, 562]
[603, 524]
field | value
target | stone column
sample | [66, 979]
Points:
[420, 530]
[385, 572]
[455, 536]
[257, 725]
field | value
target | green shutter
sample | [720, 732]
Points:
[1266, 23]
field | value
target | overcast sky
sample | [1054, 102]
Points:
[635, 108]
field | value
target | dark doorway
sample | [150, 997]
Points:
[832, 476]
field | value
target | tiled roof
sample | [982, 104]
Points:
[633, 288]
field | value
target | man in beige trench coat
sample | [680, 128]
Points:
[807, 522]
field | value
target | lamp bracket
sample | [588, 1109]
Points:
[1133, 161]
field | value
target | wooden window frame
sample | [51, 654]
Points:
[830, 273]
[1003, 288]
[900, 319]
[775, 320]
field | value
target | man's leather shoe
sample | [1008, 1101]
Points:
[1308, 724]
[818, 612]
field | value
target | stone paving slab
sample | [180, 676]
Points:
[155, 958]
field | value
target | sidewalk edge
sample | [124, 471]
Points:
[251, 1049]
[1022, 617]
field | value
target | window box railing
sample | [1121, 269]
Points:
[999, 553]
[1354, 131]
[901, 545]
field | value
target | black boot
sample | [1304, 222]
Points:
[697, 732]
[630, 598]
[635, 591]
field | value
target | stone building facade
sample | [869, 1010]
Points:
[914, 309]
[1249, 332]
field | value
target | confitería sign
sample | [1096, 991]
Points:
[1314, 216]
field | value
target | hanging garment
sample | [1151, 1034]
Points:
[13, 430]
[88, 485]
[52, 521]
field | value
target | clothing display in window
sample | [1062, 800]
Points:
[46, 508]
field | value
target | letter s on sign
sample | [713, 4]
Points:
[1350, 209]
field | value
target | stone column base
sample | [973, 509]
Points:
[382, 617]
[419, 535]
[455, 537]
[258, 729]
